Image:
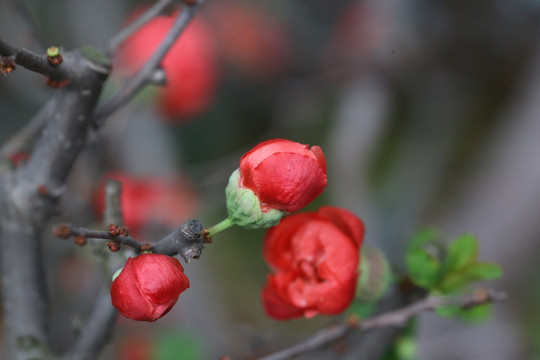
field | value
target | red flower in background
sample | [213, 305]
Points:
[148, 286]
[163, 201]
[250, 39]
[284, 174]
[190, 64]
[315, 257]
[134, 347]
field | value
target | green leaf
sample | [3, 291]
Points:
[475, 272]
[424, 269]
[462, 252]
[484, 271]
[179, 345]
[475, 314]
[423, 237]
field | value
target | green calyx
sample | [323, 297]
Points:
[244, 207]
[375, 275]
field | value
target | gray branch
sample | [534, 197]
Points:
[34, 61]
[29, 196]
[396, 318]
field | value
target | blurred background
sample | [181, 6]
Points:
[427, 112]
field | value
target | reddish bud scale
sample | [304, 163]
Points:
[315, 257]
[7, 65]
[148, 286]
[114, 246]
[79, 240]
[285, 175]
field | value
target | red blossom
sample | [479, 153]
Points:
[285, 175]
[315, 257]
[148, 286]
[190, 64]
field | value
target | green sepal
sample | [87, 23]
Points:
[244, 207]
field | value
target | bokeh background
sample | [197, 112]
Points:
[428, 113]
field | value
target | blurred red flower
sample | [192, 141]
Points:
[285, 175]
[134, 347]
[150, 200]
[250, 39]
[315, 257]
[190, 64]
[148, 286]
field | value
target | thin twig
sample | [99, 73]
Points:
[155, 10]
[66, 231]
[32, 61]
[96, 332]
[396, 318]
[186, 241]
[146, 74]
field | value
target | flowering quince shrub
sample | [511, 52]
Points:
[148, 286]
[190, 65]
[315, 258]
[167, 201]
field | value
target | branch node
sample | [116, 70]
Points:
[79, 240]
[62, 231]
[114, 246]
[53, 56]
[7, 65]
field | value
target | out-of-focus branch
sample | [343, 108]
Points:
[146, 74]
[397, 318]
[97, 330]
[33, 61]
[29, 197]
[155, 10]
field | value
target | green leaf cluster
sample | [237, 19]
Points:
[447, 269]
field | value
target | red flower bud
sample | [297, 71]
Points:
[315, 258]
[148, 286]
[285, 175]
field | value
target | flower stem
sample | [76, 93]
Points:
[225, 224]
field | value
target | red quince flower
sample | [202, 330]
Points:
[285, 175]
[315, 257]
[190, 64]
[148, 286]
[167, 201]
